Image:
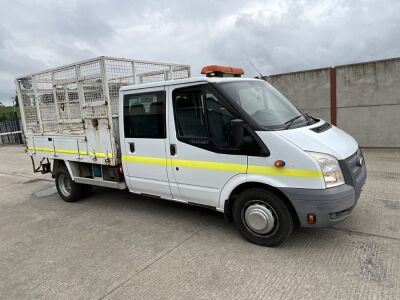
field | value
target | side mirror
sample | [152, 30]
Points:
[236, 133]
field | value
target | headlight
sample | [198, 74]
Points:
[333, 175]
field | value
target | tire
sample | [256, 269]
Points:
[262, 217]
[68, 190]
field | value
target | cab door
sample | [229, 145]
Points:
[144, 139]
[201, 159]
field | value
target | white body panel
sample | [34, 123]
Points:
[194, 180]
[146, 178]
[143, 178]
[294, 158]
[334, 141]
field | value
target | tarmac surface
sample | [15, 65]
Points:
[119, 245]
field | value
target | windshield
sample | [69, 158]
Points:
[262, 102]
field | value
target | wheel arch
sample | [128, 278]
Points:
[228, 204]
[60, 164]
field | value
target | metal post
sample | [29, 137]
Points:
[81, 95]
[39, 116]
[333, 96]
[106, 94]
[171, 74]
[134, 72]
[54, 86]
[67, 107]
[21, 104]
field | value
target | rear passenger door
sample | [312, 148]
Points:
[201, 158]
[144, 140]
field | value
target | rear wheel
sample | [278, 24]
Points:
[69, 190]
[262, 217]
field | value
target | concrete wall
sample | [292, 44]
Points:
[308, 90]
[368, 102]
[368, 98]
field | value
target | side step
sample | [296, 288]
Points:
[100, 182]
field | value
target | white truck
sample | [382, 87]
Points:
[232, 144]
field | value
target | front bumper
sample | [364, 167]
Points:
[334, 204]
[329, 205]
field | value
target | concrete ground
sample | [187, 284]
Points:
[118, 245]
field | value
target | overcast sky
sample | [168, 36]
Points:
[277, 36]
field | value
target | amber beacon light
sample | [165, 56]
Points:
[222, 71]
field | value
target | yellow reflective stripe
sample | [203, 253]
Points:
[69, 151]
[145, 159]
[210, 165]
[186, 163]
[265, 170]
[100, 154]
[41, 149]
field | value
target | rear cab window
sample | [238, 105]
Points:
[144, 115]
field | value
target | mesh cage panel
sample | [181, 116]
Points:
[64, 76]
[93, 98]
[151, 72]
[70, 94]
[45, 97]
[93, 94]
[119, 73]
[29, 105]
[180, 72]
[90, 69]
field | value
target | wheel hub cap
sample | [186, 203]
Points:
[65, 185]
[259, 218]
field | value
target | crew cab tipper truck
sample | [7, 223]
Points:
[232, 144]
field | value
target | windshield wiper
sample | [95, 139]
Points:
[291, 121]
[310, 118]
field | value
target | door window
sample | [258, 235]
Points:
[189, 111]
[199, 113]
[218, 119]
[144, 115]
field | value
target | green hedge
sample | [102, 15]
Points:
[7, 109]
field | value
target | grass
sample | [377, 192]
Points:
[5, 110]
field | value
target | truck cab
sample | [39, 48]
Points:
[240, 147]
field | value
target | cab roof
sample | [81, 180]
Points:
[183, 81]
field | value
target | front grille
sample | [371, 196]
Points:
[322, 128]
[354, 171]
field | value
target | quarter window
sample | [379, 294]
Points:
[144, 115]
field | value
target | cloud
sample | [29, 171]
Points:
[276, 35]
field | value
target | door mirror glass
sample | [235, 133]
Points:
[236, 133]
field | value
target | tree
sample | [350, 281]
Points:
[16, 100]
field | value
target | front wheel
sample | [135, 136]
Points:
[69, 190]
[262, 217]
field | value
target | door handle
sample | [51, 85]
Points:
[172, 149]
[132, 147]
